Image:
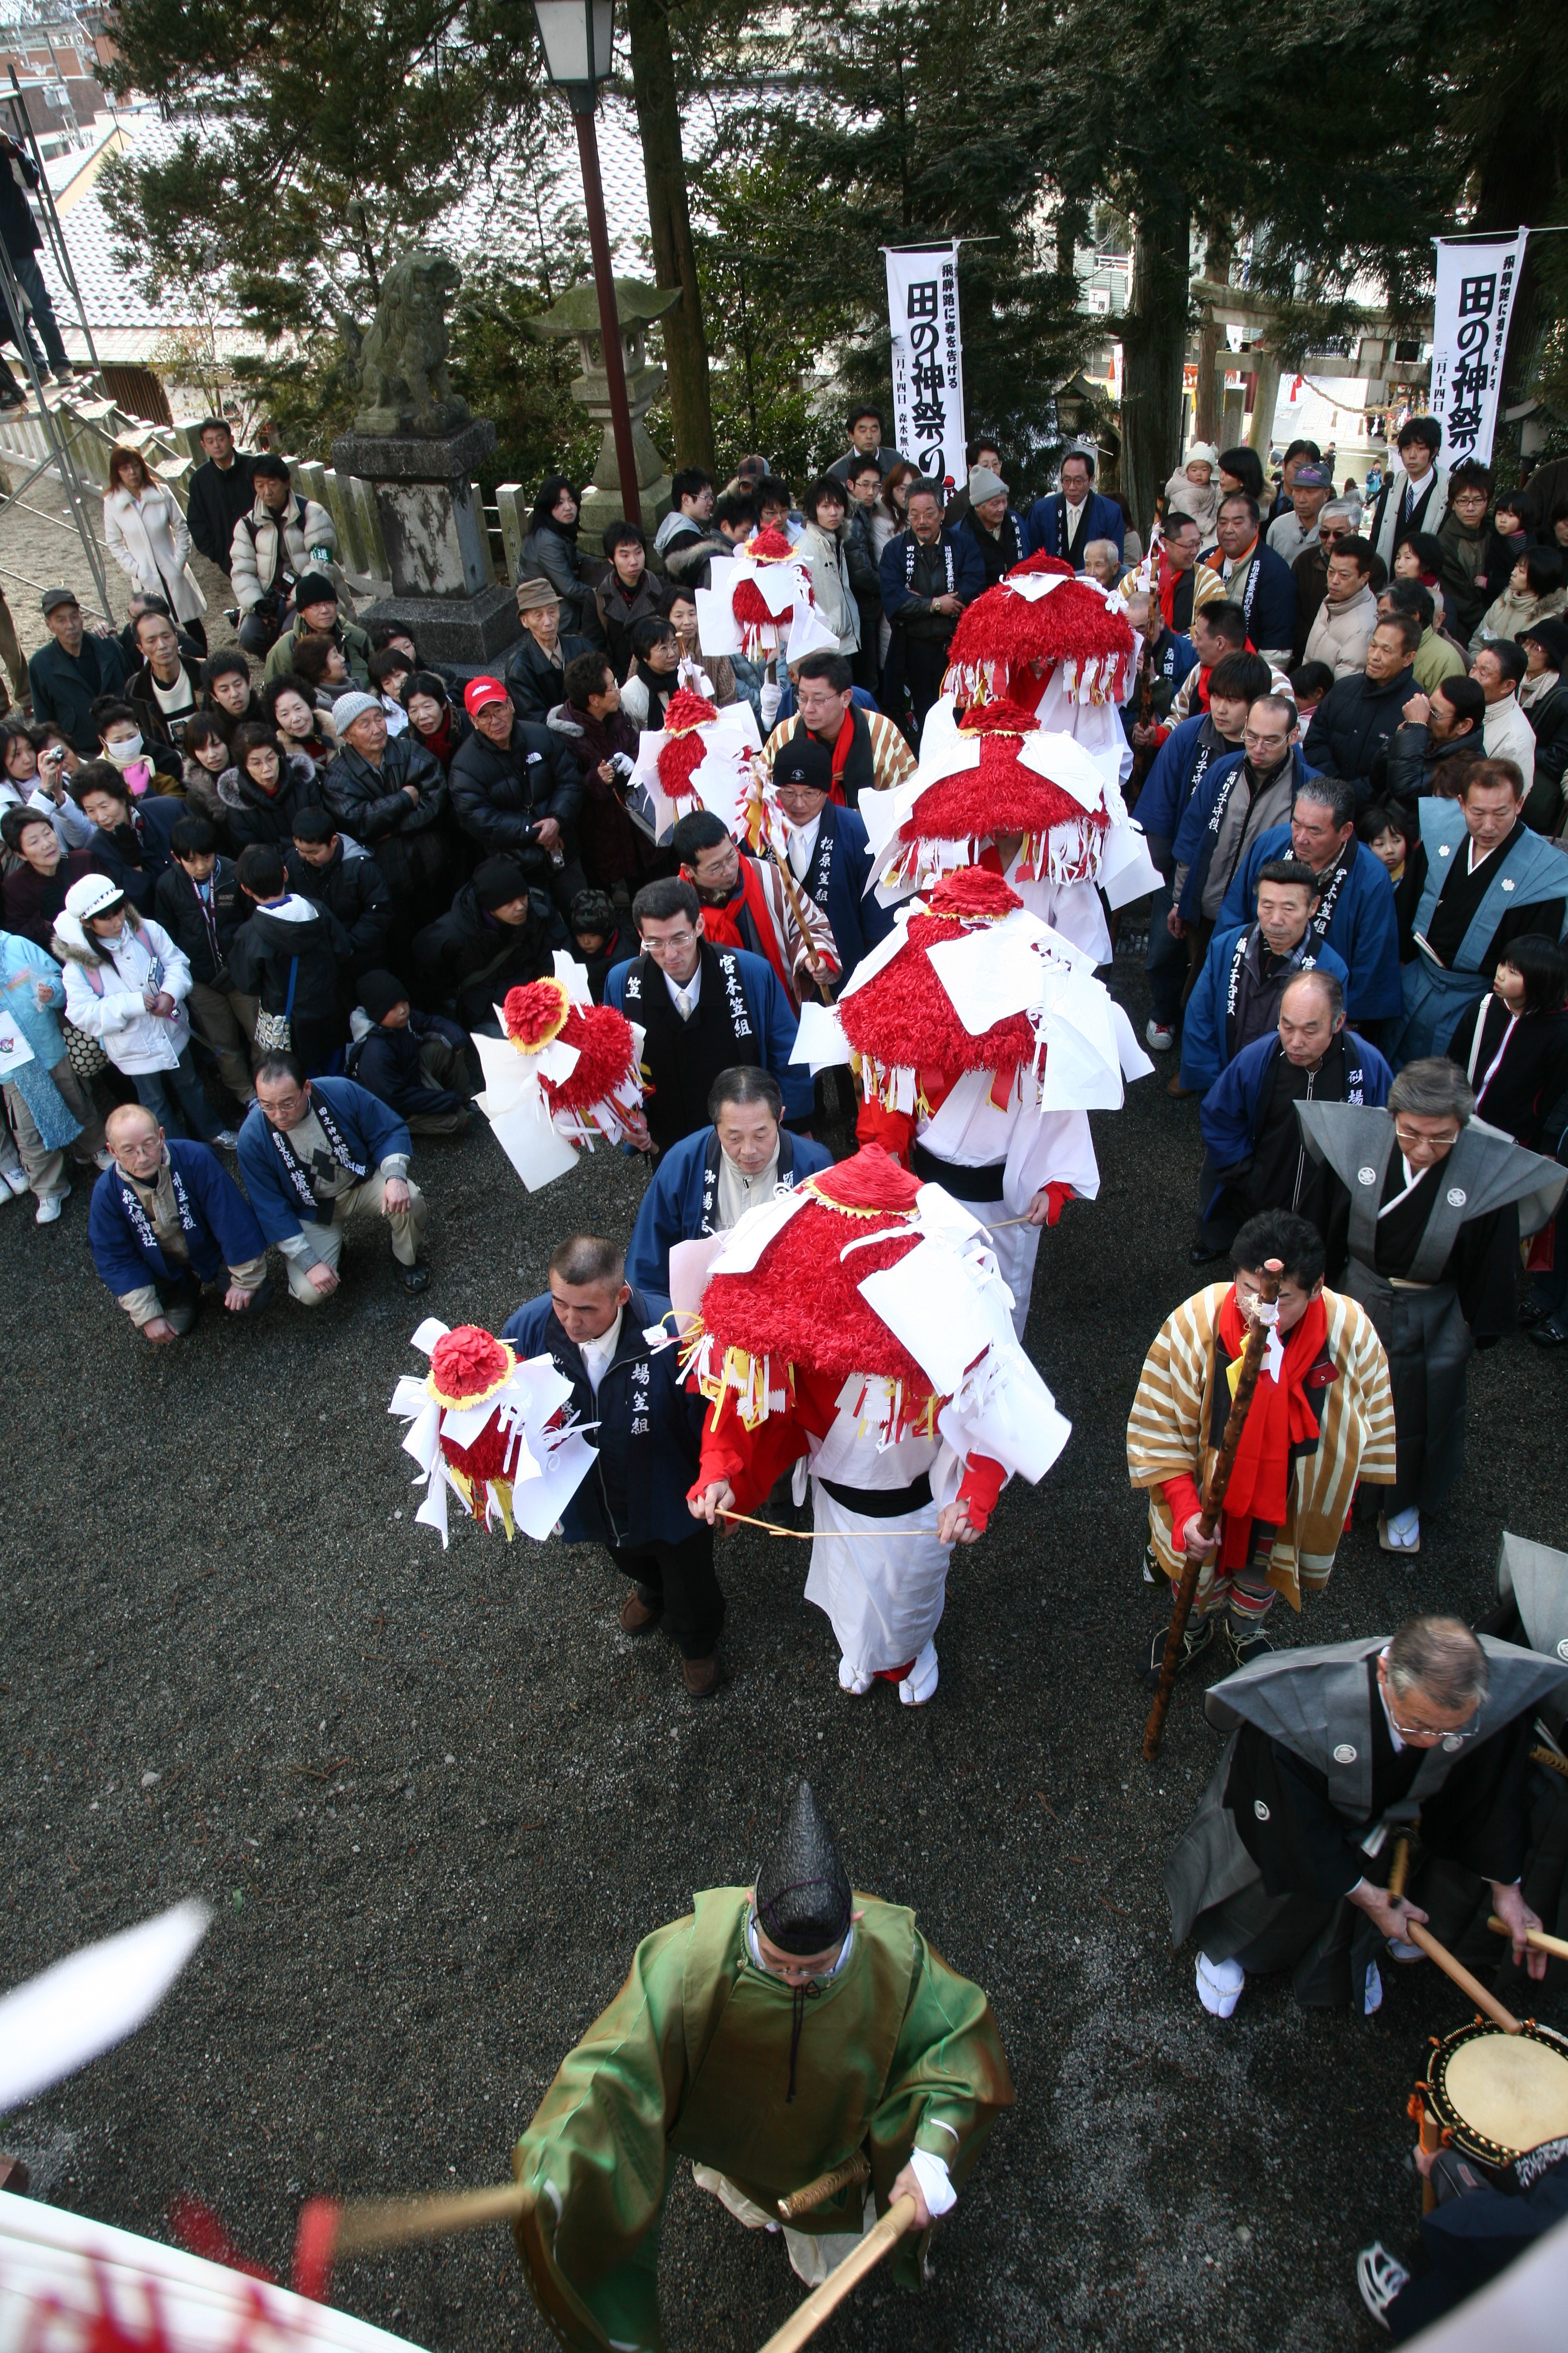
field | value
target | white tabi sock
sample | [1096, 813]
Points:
[1219, 1985]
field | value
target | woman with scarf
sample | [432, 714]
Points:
[551, 550]
[885, 519]
[298, 726]
[435, 719]
[655, 674]
[1321, 1417]
[265, 789]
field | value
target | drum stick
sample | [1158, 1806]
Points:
[818, 2193]
[1487, 2004]
[1398, 1867]
[1537, 1937]
[808, 2317]
[809, 1535]
[1215, 1487]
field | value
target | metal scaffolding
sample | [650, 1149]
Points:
[82, 497]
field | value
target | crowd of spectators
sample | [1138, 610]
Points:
[322, 846]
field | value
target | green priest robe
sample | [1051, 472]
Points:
[693, 2060]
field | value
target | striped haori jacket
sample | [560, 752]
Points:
[1177, 1421]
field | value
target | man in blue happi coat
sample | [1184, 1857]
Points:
[1355, 914]
[707, 1182]
[166, 1218]
[1477, 877]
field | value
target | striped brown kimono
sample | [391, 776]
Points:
[1175, 1405]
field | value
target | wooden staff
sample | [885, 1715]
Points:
[1215, 1487]
[809, 1535]
[1537, 1938]
[825, 987]
[854, 2170]
[327, 2231]
[808, 2317]
[1487, 2003]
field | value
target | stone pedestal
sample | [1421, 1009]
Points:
[441, 585]
[577, 314]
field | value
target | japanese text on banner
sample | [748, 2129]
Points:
[927, 360]
[1476, 283]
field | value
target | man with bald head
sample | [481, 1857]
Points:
[1256, 1156]
[166, 1218]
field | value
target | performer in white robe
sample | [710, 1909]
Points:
[995, 788]
[980, 1041]
[858, 1328]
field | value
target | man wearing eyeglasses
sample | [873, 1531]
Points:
[1426, 1213]
[1333, 1753]
[1310, 567]
[1241, 796]
[703, 1009]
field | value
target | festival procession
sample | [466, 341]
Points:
[787, 1545]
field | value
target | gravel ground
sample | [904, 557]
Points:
[435, 1798]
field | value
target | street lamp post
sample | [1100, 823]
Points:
[577, 37]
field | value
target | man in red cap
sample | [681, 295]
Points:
[516, 792]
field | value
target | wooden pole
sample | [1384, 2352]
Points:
[824, 989]
[808, 2317]
[816, 2193]
[1537, 1938]
[1472, 1987]
[609, 321]
[1215, 1488]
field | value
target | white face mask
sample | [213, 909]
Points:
[124, 750]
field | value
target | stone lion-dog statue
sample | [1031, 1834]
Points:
[400, 359]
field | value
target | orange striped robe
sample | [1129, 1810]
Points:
[1173, 1408]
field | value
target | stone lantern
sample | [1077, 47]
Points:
[577, 313]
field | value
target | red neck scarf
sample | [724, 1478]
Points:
[841, 750]
[722, 925]
[1281, 1417]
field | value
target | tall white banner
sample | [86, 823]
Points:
[1476, 284]
[928, 360]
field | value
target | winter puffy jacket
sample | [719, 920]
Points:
[549, 554]
[407, 837]
[178, 904]
[264, 543]
[1340, 634]
[469, 961]
[499, 793]
[291, 931]
[107, 985]
[251, 815]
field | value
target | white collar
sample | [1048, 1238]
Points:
[828, 1975]
[689, 991]
[1393, 1727]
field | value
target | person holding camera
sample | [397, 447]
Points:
[604, 742]
[282, 538]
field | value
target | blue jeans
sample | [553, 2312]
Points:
[1166, 963]
[31, 278]
[193, 1115]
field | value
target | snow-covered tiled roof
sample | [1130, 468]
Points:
[127, 323]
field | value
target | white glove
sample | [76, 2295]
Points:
[772, 697]
[936, 2185]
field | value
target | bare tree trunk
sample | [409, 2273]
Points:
[1153, 351]
[1206, 402]
[675, 262]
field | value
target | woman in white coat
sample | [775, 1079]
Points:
[126, 982]
[821, 549]
[150, 540]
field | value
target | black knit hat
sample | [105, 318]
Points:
[802, 1892]
[379, 992]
